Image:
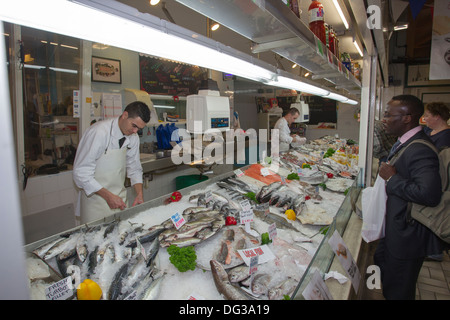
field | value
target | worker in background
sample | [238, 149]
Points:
[382, 144]
[107, 153]
[285, 133]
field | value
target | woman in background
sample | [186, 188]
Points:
[436, 116]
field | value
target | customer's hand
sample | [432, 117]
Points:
[386, 171]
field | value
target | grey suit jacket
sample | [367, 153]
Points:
[417, 180]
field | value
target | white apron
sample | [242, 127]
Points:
[110, 172]
[284, 146]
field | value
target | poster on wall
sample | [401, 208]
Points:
[440, 44]
[164, 77]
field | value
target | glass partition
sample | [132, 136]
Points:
[324, 254]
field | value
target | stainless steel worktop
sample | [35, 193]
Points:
[150, 163]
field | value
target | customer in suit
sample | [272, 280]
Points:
[413, 178]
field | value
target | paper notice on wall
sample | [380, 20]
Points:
[111, 105]
[440, 45]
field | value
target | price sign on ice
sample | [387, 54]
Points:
[246, 216]
[263, 252]
[61, 290]
[177, 220]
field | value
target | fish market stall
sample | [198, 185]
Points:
[200, 243]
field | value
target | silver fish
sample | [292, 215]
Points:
[116, 285]
[223, 284]
[152, 292]
[239, 273]
[205, 233]
[42, 250]
[286, 287]
[181, 242]
[260, 283]
[58, 247]
[279, 220]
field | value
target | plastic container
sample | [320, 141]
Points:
[316, 20]
[187, 181]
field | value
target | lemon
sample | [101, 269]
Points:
[290, 214]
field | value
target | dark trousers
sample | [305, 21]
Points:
[398, 276]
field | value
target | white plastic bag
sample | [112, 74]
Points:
[373, 203]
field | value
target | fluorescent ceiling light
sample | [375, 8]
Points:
[355, 43]
[337, 97]
[34, 66]
[341, 14]
[119, 25]
[70, 47]
[401, 27]
[350, 101]
[100, 26]
[164, 107]
[285, 82]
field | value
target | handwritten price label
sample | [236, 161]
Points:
[177, 220]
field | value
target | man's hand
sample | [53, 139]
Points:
[114, 201]
[139, 194]
[387, 171]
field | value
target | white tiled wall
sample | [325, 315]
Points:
[48, 192]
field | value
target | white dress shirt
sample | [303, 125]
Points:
[96, 140]
[284, 134]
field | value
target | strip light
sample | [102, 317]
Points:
[355, 43]
[117, 24]
[285, 82]
[341, 14]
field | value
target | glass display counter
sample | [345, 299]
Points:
[321, 260]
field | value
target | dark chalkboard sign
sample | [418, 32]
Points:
[158, 76]
[321, 110]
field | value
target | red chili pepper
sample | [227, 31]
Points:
[307, 197]
[176, 196]
[330, 175]
[230, 221]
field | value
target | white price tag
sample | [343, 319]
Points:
[246, 216]
[263, 252]
[208, 196]
[265, 172]
[238, 172]
[273, 231]
[253, 266]
[177, 220]
[245, 205]
[61, 290]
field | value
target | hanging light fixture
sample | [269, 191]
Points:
[154, 2]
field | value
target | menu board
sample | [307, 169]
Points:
[159, 76]
[321, 110]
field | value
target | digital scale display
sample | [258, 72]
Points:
[219, 122]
